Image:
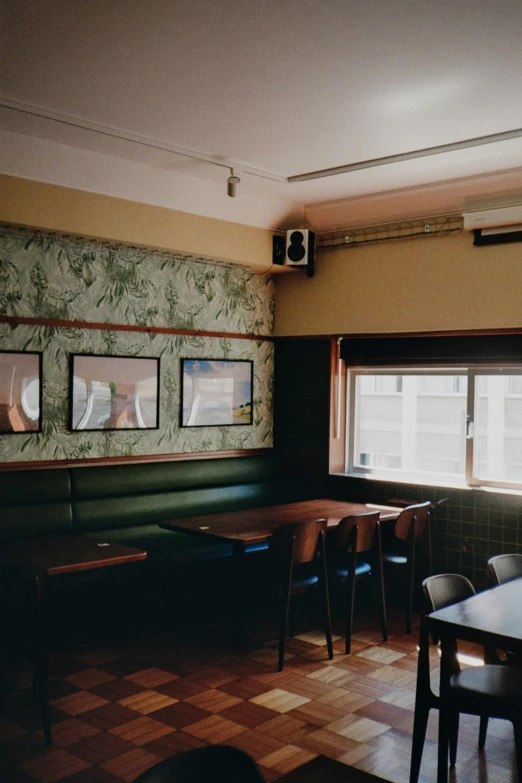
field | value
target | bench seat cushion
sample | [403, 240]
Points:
[35, 503]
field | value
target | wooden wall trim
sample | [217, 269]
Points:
[133, 460]
[377, 335]
[18, 321]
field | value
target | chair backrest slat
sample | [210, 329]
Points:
[304, 536]
[505, 568]
[366, 523]
[420, 512]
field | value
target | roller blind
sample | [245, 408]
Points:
[397, 351]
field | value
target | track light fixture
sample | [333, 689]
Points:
[233, 184]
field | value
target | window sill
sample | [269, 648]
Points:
[441, 485]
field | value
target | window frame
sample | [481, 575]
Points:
[350, 375]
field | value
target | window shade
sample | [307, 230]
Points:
[454, 350]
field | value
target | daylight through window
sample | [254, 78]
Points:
[451, 426]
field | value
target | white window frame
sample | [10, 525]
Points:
[400, 475]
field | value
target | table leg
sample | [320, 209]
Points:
[240, 592]
[447, 647]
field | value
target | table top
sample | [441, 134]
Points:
[493, 617]
[67, 553]
[255, 525]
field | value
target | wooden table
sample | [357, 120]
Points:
[493, 618]
[67, 553]
[255, 526]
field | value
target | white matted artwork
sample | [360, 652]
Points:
[114, 393]
[216, 392]
[20, 391]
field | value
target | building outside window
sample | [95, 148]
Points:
[451, 426]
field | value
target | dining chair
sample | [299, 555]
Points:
[210, 764]
[354, 536]
[22, 609]
[298, 562]
[487, 691]
[502, 569]
[399, 549]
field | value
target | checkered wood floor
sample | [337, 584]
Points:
[119, 707]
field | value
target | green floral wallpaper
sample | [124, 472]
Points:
[79, 280]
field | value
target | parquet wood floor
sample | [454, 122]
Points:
[120, 707]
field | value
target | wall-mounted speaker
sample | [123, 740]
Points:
[300, 245]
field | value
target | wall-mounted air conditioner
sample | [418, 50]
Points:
[495, 226]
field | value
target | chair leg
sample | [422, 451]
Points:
[411, 582]
[41, 658]
[429, 548]
[517, 728]
[350, 601]
[323, 586]
[453, 738]
[420, 722]
[40, 687]
[483, 730]
[384, 622]
[283, 624]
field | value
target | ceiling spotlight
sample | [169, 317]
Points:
[233, 184]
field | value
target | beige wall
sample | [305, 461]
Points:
[52, 207]
[423, 284]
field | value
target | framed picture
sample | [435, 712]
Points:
[114, 393]
[216, 392]
[20, 391]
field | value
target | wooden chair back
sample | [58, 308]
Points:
[292, 547]
[355, 532]
[417, 516]
[298, 542]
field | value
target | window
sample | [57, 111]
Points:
[447, 425]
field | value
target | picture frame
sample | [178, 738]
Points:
[113, 392]
[20, 392]
[216, 392]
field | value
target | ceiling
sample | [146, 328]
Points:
[156, 101]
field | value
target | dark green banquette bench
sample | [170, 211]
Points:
[125, 503]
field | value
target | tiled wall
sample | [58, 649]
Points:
[472, 526]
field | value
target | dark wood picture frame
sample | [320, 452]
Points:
[216, 392]
[104, 392]
[20, 398]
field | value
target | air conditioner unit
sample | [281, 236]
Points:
[495, 226]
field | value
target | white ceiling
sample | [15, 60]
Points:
[116, 96]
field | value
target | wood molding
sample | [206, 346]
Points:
[338, 391]
[18, 321]
[133, 460]
[514, 330]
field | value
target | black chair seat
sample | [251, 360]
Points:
[304, 575]
[394, 559]
[342, 571]
[493, 688]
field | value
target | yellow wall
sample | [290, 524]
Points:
[55, 208]
[429, 283]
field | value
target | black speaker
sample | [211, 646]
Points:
[278, 249]
[300, 245]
